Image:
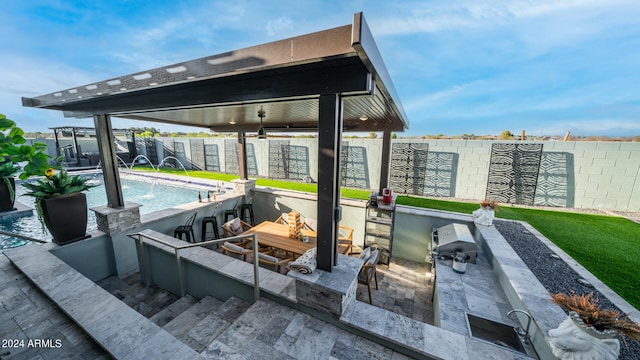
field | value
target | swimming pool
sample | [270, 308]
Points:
[152, 194]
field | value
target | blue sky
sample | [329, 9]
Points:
[474, 67]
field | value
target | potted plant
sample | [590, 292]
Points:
[486, 213]
[589, 332]
[8, 186]
[61, 205]
[14, 150]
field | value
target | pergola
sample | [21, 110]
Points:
[329, 81]
[73, 132]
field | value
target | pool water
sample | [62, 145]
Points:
[152, 194]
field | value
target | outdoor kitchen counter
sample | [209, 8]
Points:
[477, 291]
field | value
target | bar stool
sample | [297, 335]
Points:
[186, 229]
[231, 213]
[214, 222]
[244, 209]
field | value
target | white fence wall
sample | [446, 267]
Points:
[598, 175]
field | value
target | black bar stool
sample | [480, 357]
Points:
[244, 209]
[186, 229]
[231, 214]
[214, 222]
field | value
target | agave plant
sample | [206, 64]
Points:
[54, 184]
[588, 308]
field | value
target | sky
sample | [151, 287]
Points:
[459, 67]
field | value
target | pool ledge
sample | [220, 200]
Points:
[19, 211]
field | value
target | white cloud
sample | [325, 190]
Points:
[279, 25]
[430, 99]
[429, 17]
[589, 127]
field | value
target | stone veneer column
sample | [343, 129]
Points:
[113, 220]
[244, 187]
[329, 292]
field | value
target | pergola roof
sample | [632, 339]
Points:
[224, 92]
[75, 129]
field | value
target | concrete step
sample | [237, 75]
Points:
[185, 326]
[198, 325]
[172, 311]
[146, 300]
[254, 333]
[269, 330]
[118, 329]
[205, 331]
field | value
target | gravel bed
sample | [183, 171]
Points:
[554, 274]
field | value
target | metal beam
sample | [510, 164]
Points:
[384, 160]
[329, 141]
[299, 82]
[109, 160]
[242, 155]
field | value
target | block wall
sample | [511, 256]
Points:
[594, 175]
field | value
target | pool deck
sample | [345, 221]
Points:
[20, 295]
[31, 315]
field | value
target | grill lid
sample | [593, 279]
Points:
[454, 238]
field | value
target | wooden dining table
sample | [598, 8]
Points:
[272, 234]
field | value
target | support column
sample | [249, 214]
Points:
[329, 140]
[75, 146]
[384, 160]
[242, 155]
[106, 145]
[116, 216]
[55, 135]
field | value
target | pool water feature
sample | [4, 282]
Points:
[153, 194]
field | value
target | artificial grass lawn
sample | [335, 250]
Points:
[607, 246]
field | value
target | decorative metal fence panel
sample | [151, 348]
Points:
[288, 161]
[440, 174]
[513, 173]
[152, 151]
[344, 158]
[278, 150]
[555, 180]
[232, 160]
[173, 152]
[252, 162]
[354, 167]
[211, 157]
[297, 162]
[408, 167]
[231, 156]
[196, 146]
[169, 154]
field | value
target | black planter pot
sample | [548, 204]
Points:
[6, 203]
[66, 217]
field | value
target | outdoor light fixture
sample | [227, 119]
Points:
[232, 122]
[262, 135]
[364, 117]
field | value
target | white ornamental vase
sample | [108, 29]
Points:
[483, 216]
[573, 340]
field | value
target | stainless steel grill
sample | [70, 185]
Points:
[454, 238]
